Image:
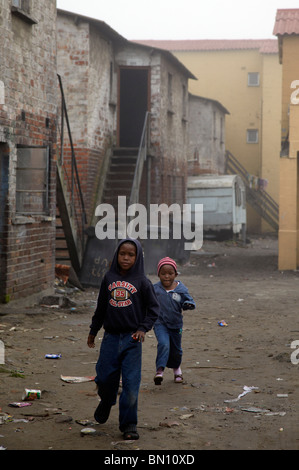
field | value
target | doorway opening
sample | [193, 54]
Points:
[133, 104]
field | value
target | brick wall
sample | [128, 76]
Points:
[28, 118]
[84, 58]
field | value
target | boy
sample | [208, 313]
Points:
[173, 297]
[127, 308]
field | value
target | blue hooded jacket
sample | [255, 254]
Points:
[125, 303]
[172, 303]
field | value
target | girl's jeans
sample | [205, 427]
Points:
[169, 349]
[120, 356]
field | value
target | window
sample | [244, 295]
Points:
[253, 79]
[252, 136]
[21, 8]
[32, 180]
[22, 4]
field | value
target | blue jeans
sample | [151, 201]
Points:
[169, 348]
[120, 356]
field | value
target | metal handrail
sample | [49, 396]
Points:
[268, 206]
[73, 179]
[141, 158]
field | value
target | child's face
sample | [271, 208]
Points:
[167, 276]
[126, 256]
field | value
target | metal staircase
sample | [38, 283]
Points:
[120, 175]
[125, 170]
[258, 198]
[70, 211]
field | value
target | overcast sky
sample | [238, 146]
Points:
[184, 19]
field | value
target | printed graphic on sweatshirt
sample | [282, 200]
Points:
[121, 292]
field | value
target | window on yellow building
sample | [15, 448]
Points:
[252, 136]
[253, 79]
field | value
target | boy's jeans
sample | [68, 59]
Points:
[169, 349]
[120, 356]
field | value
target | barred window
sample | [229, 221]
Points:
[32, 180]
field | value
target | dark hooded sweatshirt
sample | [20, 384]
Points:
[125, 303]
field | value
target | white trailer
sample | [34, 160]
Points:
[224, 202]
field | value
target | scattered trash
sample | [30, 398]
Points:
[212, 265]
[88, 431]
[84, 422]
[17, 404]
[253, 409]
[5, 417]
[187, 416]
[76, 380]
[21, 420]
[30, 394]
[168, 424]
[222, 323]
[53, 356]
[246, 390]
[282, 395]
[123, 443]
[229, 410]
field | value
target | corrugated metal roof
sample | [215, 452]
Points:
[265, 46]
[287, 22]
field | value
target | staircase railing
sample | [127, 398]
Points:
[141, 158]
[259, 199]
[73, 214]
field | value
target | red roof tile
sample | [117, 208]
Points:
[287, 22]
[266, 46]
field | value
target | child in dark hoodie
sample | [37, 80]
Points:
[173, 297]
[127, 308]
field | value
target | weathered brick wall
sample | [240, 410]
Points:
[168, 128]
[206, 152]
[28, 118]
[84, 58]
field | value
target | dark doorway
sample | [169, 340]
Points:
[134, 98]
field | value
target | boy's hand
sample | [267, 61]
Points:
[188, 306]
[139, 336]
[90, 341]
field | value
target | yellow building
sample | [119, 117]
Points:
[245, 77]
[287, 30]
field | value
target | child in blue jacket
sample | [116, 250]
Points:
[127, 308]
[173, 297]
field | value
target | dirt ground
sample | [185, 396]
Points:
[230, 282]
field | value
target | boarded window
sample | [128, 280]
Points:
[32, 181]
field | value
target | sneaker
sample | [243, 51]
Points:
[102, 412]
[159, 376]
